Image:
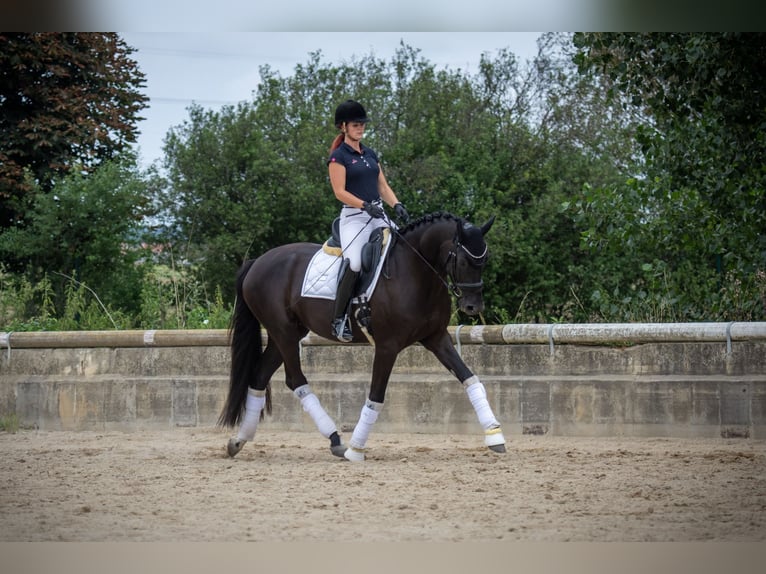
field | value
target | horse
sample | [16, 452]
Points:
[431, 259]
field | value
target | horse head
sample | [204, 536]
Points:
[469, 256]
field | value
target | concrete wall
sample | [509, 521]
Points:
[702, 380]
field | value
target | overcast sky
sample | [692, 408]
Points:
[217, 68]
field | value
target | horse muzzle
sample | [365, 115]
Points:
[471, 304]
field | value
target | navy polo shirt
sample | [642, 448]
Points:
[362, 170]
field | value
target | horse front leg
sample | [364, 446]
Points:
[441, 346]
[381, 371]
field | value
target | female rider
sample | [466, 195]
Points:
[358, 182]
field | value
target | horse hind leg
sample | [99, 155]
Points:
[325, 425]
[254, 404]
[367, 418]
[296, 382]
[256, 399]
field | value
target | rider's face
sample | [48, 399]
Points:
[355, 130]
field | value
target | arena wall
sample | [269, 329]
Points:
[681, 380]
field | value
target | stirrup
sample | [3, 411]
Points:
[342, 329]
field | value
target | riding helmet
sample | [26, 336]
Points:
[350, 111]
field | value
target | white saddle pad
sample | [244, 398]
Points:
[321, 278]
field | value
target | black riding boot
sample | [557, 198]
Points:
[341, 327]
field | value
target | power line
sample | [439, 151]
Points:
[193, 100]
[177, 52]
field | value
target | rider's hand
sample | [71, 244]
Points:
[373, 210]
[401, 213]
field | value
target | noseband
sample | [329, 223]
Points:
[475, 260]
[454, 286]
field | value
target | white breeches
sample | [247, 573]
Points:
[355, 229]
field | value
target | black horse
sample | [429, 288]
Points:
[430, 258]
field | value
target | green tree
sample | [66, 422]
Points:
[86, 230]
[512, 141]
[249, 177]
[694, 216]
[67, 100]
[556, 133]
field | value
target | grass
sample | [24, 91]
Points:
[9, 423]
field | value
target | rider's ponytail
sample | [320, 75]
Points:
[337, 141]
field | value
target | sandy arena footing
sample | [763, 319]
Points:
[179, 485]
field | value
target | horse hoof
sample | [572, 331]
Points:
[494, 439]
[235, 445]
[338, 450]
[353, 455]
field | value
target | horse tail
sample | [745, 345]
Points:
[246, 351]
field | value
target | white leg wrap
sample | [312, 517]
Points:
[493, 434]
[370, 412]
[253, 408]
[310, 404]
[478, 397]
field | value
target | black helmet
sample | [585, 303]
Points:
[350, 111]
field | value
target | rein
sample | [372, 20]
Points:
[452, 285]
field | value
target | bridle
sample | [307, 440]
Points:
[454, 285]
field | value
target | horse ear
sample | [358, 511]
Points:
[487, 226]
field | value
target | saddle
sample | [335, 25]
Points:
[371, 253]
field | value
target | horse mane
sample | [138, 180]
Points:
[428, 219]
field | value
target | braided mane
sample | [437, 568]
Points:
[428, 219]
